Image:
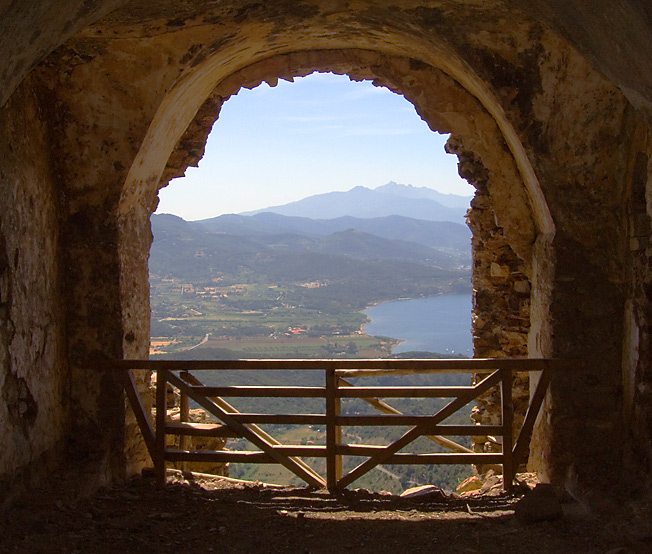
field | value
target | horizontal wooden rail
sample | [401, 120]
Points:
[465, 365]
[402, 392]
[263, 392]
[445, 458]
[219, 456]
[498, 375]
[250, 457]
[402, 458]
[199, 429]
[409, 421]
[281, 419]
[403, 420]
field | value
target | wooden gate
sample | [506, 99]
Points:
[495, 373]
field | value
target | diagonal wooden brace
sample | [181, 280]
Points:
[229, 409]
[523, 440]
[138, 408]
[289, 462]
[384, 407]
[422, 429]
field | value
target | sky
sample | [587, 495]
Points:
[322, 133]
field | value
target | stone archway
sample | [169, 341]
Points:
[442, 102]
[107, 89]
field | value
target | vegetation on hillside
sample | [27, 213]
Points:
[271, 286]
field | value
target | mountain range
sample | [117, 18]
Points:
[390, 199]
[432, 234]
[291, 248]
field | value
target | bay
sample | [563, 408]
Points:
[434, 324]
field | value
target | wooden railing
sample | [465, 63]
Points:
[496, 373]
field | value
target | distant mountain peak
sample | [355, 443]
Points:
[393, 185]
[449, 200]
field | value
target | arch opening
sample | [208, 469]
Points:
[323, 131]
[343, 167]
[521, 224]
[300, 294]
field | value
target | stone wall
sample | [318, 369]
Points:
[581, 158]
[501, 300]
[96, 142]
[34, 399]
[565, 211]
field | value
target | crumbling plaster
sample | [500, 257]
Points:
[614, 35]
[29, 31]
[556, 137]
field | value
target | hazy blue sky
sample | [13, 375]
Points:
[321, 133]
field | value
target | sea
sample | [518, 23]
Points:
[439, 324]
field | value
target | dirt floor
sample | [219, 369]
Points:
[198, 516]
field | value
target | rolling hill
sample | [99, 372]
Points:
[185, 248]
[361, 259]
[433, 234]
[359, 268]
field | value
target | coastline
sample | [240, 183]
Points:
[440, 324]
[381, 302]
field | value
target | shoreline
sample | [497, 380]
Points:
[374, 304]
[417, 328]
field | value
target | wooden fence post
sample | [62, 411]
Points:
[333, 431]
[184, 413]
[508, 425]
[161, 415]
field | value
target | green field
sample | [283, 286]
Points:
[254, 320]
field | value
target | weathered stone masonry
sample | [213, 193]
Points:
[501, 299]
[103, 102]
[34, 400]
